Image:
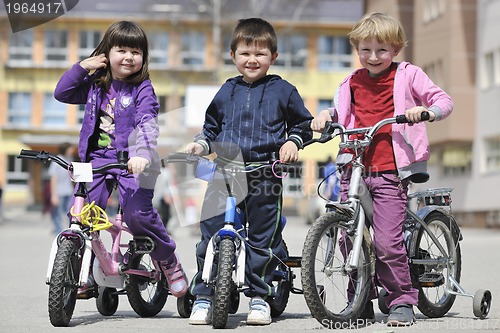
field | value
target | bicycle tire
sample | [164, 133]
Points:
[185, 305]
[146, 296]
[63, 285]
[282, 289]
[223, 283]
[433, 301]
[325, 278]
[107, 301]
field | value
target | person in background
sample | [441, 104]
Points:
[163, 198]
[61, 187]
[331, 191]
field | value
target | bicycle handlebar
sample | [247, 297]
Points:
[195, 159]
[330, 127]
[45, 157]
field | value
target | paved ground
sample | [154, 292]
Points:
[25, 239]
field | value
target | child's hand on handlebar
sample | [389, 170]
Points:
[414, 115]
[137, 164]
[289, 152]
[318, 123]
[193, 148]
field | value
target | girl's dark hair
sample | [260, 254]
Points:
[123, 34]
[254, 30]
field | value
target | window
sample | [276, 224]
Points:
[56, 46]
[54, 112]
[158, 49]
[162, 113]
[226, 49]
[89, 39]
[193, 48]
[433, 9]
[493, 154]
[435, 72]
[19, 113]
[334, 53]
[490, 69]
[80, 113]
[17, 170]
[292, 51]
[20, 48]
[457, 161]
[292, 184]
[324, 104]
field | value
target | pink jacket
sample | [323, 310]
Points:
[412, 87]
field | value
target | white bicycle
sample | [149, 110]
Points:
[338, 259]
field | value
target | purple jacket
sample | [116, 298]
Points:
[412, 87]
[136, 113]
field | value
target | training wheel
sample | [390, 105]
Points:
[481, 303]
[381, 301]
[185, 305]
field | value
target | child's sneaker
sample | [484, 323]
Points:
[176, 278]
[401, 315]
[201, 314]
[260, 312]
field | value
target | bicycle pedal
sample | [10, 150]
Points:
[293, 261]
[142, 245]
[430, 280]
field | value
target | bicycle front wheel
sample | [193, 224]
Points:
[334, 292]
[432, 276]
[63, 285]
[146, 295]
[223, 283]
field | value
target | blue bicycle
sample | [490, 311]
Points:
[224, 267]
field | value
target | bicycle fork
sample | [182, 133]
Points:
[75, 235]
[232, 217]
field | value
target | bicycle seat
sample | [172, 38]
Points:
[420, 177]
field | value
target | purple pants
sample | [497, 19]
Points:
[389, 194]
[135, 196]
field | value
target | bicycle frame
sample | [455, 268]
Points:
[109, 270]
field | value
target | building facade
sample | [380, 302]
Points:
[189, 51]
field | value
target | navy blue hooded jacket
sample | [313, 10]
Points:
[256, 118]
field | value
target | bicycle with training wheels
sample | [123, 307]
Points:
[224, 267]
[118, 269]
[338, 259]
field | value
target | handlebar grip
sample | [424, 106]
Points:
[26, 152]
[401, 119]
[424, 116]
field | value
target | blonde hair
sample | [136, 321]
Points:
[386, 29]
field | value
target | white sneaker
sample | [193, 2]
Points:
[201, 314]
[260, 312]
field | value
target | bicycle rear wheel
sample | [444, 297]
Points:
[335, 294]
[432, 278]
[63, 285]
[223, 283]
[146, 295]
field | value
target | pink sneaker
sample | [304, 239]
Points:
[176, 278]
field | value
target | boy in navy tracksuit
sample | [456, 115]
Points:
[253, 116]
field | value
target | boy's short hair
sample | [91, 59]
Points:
[386, 29]
[254, 30]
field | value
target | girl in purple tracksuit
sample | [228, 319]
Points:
[120, 115]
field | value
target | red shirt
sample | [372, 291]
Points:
[373, 101]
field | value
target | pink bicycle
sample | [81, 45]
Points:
[118, 269]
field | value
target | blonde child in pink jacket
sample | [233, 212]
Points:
[382, 89]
